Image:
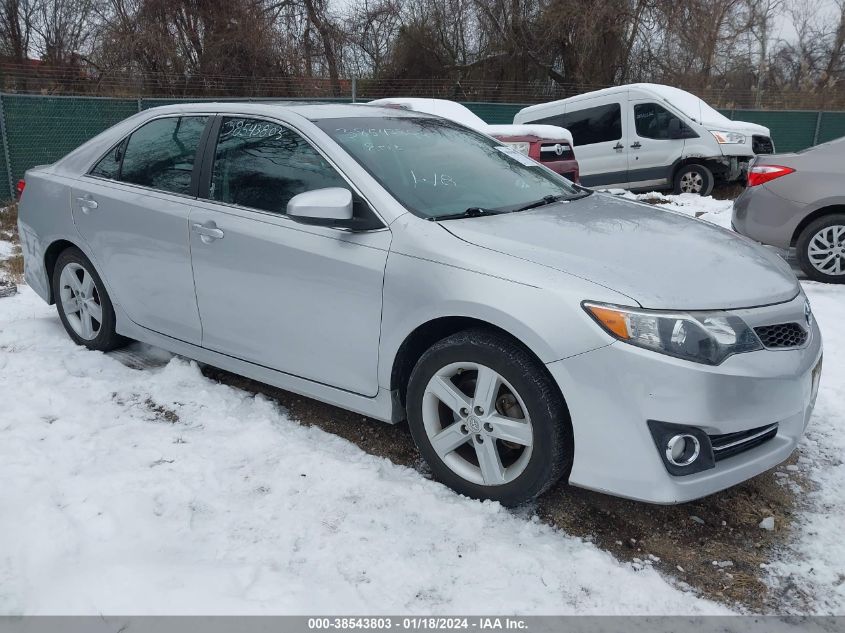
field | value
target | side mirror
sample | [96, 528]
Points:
[332, 203]
[331, 207]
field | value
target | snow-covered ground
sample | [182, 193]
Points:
[157, 490]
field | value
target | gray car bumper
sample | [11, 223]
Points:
[766, 217]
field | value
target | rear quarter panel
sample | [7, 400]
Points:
[44, 216]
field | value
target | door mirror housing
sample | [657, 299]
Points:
[332, 207]
[321, 205]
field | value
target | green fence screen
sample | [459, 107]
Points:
[37, 129]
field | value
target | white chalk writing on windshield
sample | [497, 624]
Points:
[444, 180]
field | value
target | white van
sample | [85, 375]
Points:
[648, 136]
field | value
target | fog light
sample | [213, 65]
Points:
[682, 449]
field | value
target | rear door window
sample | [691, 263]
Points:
[161, 154]
[109, 165]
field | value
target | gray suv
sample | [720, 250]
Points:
[406, 267]
[798, 200]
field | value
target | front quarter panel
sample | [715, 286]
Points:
[432, 274]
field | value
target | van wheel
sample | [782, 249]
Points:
[820, 249]
[694, 179]
[488, 418]
[83, 303]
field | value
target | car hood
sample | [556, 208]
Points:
[743, 127]
[660, 259]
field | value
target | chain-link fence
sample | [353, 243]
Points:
[37, 129]
[90, 81]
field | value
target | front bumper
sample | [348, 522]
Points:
[566, 168]
[613, 391]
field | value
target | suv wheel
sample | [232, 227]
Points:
[488, 418]
[694, 179]
[83, 304]
[821, 249]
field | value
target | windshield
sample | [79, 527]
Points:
[437, 168]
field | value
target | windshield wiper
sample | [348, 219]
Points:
[552, 199]
[540, 203]
[472, 212]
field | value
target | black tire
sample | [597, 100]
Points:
[701, 177]
[802, 247]
[552, 450]
[106, 337]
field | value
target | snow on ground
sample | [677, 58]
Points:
[160, 491]
[816, 562]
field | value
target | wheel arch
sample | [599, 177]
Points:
[427, 334]
[812, 217]
[51, 256]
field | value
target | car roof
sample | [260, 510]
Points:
[310, 110]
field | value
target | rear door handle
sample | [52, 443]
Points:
[208, 232]
[86, 203]
[636, 145]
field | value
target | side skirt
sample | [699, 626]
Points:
[380, 407]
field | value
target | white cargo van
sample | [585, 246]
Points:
[649, 136]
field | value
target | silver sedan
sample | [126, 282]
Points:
[405, 267]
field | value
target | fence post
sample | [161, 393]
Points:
[6, 148]
[140, 105]
[818, 127]
[354, 89]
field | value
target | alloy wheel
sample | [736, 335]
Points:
[826, 250]
[80, 300]
[692, 182]
[477, 424]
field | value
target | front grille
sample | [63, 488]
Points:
[782, 335]
[730, 444]
[549, 152]
[762, 145]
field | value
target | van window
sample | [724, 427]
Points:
[591, 125]
[655, 121]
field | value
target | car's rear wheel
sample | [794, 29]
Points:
[83, 304]
[488, 418]
[694, 179]
[821, 249]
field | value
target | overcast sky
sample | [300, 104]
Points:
[784, 27]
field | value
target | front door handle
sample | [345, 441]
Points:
[86, 203]
[636, 145]
[208, 232]
[618, 146]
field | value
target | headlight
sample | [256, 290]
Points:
[701, 337]
[727, 138]
[522, 147]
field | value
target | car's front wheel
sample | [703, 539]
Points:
[820, 249]
[83, 304]
[488, 418]
[694, 179]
